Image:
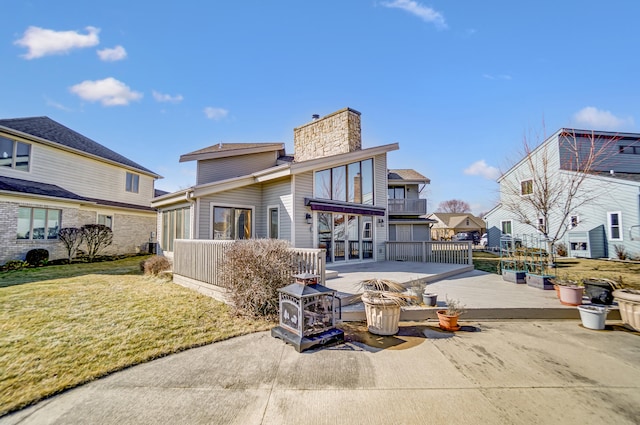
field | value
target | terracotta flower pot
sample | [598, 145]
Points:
[571, 295]
[448, 323]
[557, 288]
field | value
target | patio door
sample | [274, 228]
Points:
[403, 232]
[346, 237]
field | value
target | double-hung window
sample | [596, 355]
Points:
[38, 223]
[133, 181]
[614, 220]
[526, 187]
[14, 154]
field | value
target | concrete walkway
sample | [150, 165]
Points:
[516, 372]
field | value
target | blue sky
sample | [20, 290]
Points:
[457, 84]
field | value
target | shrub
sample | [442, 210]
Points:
[621, 252]
[71, 238]
[37, 257]
[96, 237]
[255, 270]
[561, 249]
[155, 265]
[15, 265]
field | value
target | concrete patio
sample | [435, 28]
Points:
[485, 295]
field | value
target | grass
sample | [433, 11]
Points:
[576, 268]
[89, 320]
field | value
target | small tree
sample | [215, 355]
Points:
[96, 237]
[454, 206]
[71, 238]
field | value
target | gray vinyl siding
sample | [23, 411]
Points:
[276, 193]
[211, 170]
[303, 188]
[249, 196]
[380, 199]
[83, 176]
[610, 156]
[421, 232]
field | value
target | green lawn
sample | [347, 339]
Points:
[61, 326]
[576, 268]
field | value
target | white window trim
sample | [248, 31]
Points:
[526, 194]
[577, 221]
[609, 214]
[269, 208]
[502, 227]
[212, 205]
[540, 223]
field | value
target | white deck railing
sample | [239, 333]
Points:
[431, 252]
[203, 260]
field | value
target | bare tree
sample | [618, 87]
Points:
[96, 237]
[71, 238]
[546, 189]
[454, 206]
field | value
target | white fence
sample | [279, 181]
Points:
[203, 260]
[431, 252]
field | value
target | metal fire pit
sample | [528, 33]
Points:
[307, 314]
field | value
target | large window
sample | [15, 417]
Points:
[133, 181]
[615, 225]
[176, 224]
[14, 154]
[231, 223]
[396, 192]
[352, 182]
[38, 223]
[346, 237]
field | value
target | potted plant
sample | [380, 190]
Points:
[569, 290]
[448, 318]
[593, 316]
[382, 300]
[629, 302]
[430, 299]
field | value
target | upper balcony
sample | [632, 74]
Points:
[407, 206]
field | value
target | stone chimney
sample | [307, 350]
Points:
[336, 133]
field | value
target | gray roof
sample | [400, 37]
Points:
[48, 129]
[407, 174]
[9, 184]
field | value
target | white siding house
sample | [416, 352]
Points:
[53, 177]
[606, 215]
[332, 194]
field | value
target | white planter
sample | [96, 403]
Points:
[629, 303]
[593, 317]
[383, 316]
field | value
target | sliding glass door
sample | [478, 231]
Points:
[346, 237]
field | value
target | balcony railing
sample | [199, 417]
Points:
[407, 206]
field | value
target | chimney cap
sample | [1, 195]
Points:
[315, 117]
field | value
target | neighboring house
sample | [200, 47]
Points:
[448, 224]
[405, 207]
[611, 218]
[332, 194]
[53, 177]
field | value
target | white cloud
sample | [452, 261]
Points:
[425, 13]
[215, 113]
[596, 118]
[161, 97]
[480, 168]
[43, 42]
[112, 55]
[109, 92]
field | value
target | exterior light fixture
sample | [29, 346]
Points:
[308, 217]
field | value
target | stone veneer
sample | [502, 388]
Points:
[336, 133]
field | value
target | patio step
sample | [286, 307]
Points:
[330, 274]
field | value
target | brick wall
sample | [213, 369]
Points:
[333, 134]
